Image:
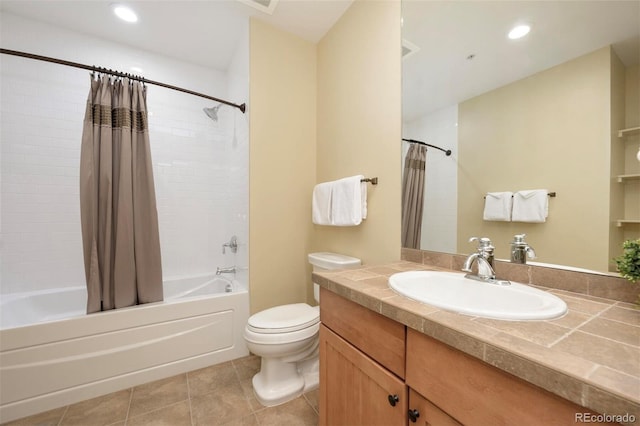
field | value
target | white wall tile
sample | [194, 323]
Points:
[200, 169]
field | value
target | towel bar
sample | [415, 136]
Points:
[550, 194]
[374, 181]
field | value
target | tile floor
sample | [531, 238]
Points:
[217, 395]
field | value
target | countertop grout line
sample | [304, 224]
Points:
[577, 328]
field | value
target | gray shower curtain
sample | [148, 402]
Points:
[413, 195]
[117, 198]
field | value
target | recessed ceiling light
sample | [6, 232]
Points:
[519, 31]
[125, 13]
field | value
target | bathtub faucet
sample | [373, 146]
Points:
[232, 244]
[228, 270]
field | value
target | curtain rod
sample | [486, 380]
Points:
[241, 107]
[446, 151]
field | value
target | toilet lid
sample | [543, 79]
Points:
[285, 318]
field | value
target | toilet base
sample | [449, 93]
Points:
[279, 382]
[310, 370]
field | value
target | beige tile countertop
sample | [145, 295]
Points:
[590, 356]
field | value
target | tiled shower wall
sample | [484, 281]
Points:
[200, 166]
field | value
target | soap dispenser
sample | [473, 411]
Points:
[520, 250]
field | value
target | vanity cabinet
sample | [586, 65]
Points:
[474, 392]
[376, 371]
[362, 357]
[423, 412]
[354, 389]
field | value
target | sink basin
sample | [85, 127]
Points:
[452, 291]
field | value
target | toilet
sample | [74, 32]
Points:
[286, 338]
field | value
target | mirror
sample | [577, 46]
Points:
[540, 112]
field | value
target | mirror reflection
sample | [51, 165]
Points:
[541, 112]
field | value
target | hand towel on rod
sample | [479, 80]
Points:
[530, 206]
[497, 206]
[321, 203]
[347, 201]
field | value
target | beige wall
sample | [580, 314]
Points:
[282, 164]
[501, 136]
[359, 124]
[322, 112]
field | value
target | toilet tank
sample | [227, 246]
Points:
[325, 261]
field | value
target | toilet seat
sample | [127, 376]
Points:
[283, 324]
[284, 319]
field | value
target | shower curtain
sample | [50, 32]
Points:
[117, 198]
[413, 195]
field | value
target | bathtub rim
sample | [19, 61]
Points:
[193, 281]
[86, 325]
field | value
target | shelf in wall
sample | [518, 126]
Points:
[622, 222]
[622, 178]
[629, 131]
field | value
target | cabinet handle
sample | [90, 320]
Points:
[393, 399]
[413, 415]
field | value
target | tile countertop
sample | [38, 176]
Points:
[590, 356]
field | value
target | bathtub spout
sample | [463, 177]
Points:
[229, 270]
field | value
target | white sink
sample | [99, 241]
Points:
[452, 291]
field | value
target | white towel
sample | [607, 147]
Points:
[321, 203]
[363, 193]
[530, 206]
[497, 206]
[347, 201]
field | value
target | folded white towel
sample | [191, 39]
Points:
[321, 203]
[346, 201]
[497, 206]
[530, 206]
[363, 193]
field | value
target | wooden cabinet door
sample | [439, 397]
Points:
[424, 413]
[354, 389]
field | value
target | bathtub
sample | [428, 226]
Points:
[52, 354]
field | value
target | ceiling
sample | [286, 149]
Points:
[206, 32]
[203, 32]
[447, 32]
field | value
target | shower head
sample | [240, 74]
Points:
[212, 112]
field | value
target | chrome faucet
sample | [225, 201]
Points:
[228, 270]
[520, 250]
[484, 259]
[232, 244]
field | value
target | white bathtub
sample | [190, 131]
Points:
[53, 354]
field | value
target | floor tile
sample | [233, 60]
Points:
[211, 379]
[313, 398]
[249, 420]
[218, 395]
[247, 367]
[158, 394]
[295, 413]
[100, 411]
[221, 406]
[247, 388]
[173, 415]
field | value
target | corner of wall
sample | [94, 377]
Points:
[282, 164]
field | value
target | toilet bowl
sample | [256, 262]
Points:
[286, 339]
